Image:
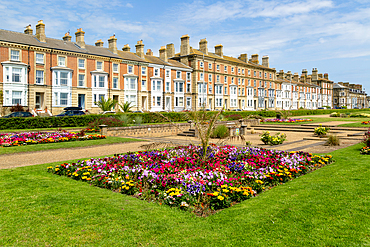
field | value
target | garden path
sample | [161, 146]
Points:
[48, 156]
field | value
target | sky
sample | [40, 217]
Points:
[332, 36]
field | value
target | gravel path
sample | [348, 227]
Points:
[42, 157]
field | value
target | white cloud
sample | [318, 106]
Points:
[129, 5]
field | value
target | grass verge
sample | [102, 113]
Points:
[328, 207]
[58, 145]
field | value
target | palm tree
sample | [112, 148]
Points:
[106, 105]
[126, 107]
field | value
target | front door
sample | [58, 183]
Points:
[168, 104]
[143, 103]
[81, 101]
[38, 101]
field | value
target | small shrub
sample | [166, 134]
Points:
[248, 143]
[333, 140]
[334, 114]
[321, 131]
[234, 117]
[367, 138]
[109, 121]
[221, 131]
[277, 139]
[138, 120]
[16, 108]
[124, 118]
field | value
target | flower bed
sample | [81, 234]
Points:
[365, 122]
[178, 176]
[30, 138]
[289, 120]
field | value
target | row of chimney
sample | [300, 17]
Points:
[165, 52]
[288, 75]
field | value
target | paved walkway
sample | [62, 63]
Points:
[48, 156]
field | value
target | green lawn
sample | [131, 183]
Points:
[329, 207]
[47, 146]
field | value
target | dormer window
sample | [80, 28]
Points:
[62, 61]
[14, 55]
[99, 65]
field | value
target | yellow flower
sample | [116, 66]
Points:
[221, 198]
[215, 193]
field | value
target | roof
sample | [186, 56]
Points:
[127, 55]
[337, 85]
[27, 39]
[171, 62]
[227, 58]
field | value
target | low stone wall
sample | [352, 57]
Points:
[157, 130]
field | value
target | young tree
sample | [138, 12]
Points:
[106, 105]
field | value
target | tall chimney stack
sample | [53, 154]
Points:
[185, 45]
[80, 38]
[112, 41]
[203, 46]
[265, 61]
[244, 57]
[163, 54]
[40, 31]
[170, 50]
[255, 58]
[219, 50]
[140, 49]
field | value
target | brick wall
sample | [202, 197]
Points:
[158, 130]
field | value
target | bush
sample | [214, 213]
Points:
[109, 121]
[221, 131]
[321, 131]
[234, 117]
[367, 138]
[277, 139]
[16, 108]
[138, 120]
[333, 140]
[334, 114]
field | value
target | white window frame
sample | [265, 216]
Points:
[62, 61]
[38, 59]
[41, 79]
[82, 62]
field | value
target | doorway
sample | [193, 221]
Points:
[39, 101]
[168, 104]
[81, 101]
[144, 103]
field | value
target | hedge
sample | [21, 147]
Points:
[81, 121]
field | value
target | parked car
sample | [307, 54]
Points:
[107, 112]
[71, 111]
[237, 110]
[19, 114]
[139, 111]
